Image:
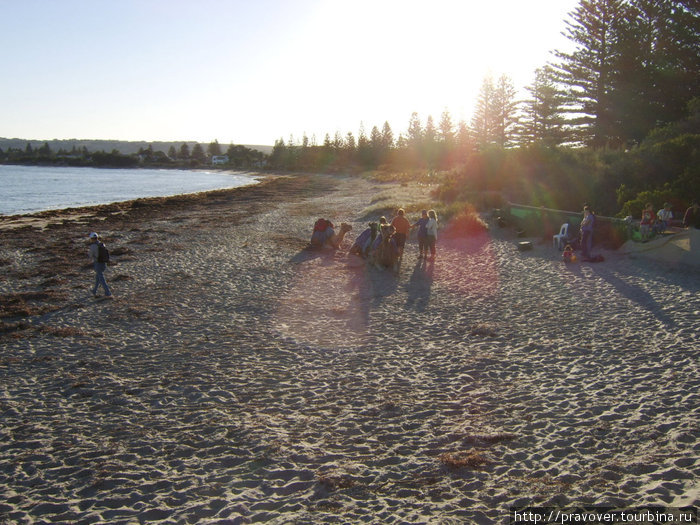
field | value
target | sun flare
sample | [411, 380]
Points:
[385, 60]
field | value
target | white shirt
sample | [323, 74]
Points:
[665, 215]
[432, 227]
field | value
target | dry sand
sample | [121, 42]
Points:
[238, 378]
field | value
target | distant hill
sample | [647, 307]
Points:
[124, 147]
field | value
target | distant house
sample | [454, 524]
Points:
[219, 159]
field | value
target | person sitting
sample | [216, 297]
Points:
[324, 234]
[323, 229]
[364, 241]
[663, 218]
[568, 254]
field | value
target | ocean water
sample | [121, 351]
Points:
[29, 189]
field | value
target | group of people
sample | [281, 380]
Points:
[652, 223]
[384, 242]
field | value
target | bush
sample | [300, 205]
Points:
[465, 223]
[657, 198]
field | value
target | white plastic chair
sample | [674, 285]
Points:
[559, 240]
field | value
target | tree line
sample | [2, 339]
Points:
[614, 122]
[239, 157]
[619, 111]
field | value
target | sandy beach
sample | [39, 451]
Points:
[237, 377]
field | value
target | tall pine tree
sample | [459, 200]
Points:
[588, 72]
[542, 113]
[504, 110]
[658, 71]
[494, 117]
[482, 124]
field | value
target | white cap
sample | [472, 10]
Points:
[93, 235]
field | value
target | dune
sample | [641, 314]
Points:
[682, 247]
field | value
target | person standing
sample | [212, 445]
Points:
[402, 227]
[587, 226]
[647, 221]
[422, 233]
[98, 254]
[691, 219]
[431, 230]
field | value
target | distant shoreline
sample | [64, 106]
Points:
[254, 178]
[123, 146]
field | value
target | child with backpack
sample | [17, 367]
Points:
[99, 255]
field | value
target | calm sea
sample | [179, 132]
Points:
[28, 189]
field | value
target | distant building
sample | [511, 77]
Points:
[219, 159]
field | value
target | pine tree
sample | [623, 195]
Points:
[465, 141]
[430, 145]
[658, 70]
[504, 112]
[482, 124]
[415, 131]
[350, 145]
[414, 142]
[364, 152]
[446, 132]
[198, 153]
[184, 152]
[387, 137]
[375, 142]
[542, 113]
[44, 150]
[279, 151]
[588, 71]
[214, 148]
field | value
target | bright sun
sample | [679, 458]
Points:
[385, 59]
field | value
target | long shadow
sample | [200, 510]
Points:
[419, 285]
[634, 293]
[369, 287]
[360, 284]
[384, 283]
[309, 254]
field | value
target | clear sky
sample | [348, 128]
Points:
[253, 71]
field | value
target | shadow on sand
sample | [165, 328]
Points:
[420, 284]
[633, 293]
[327, 255]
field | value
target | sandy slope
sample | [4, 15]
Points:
[239, 378]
